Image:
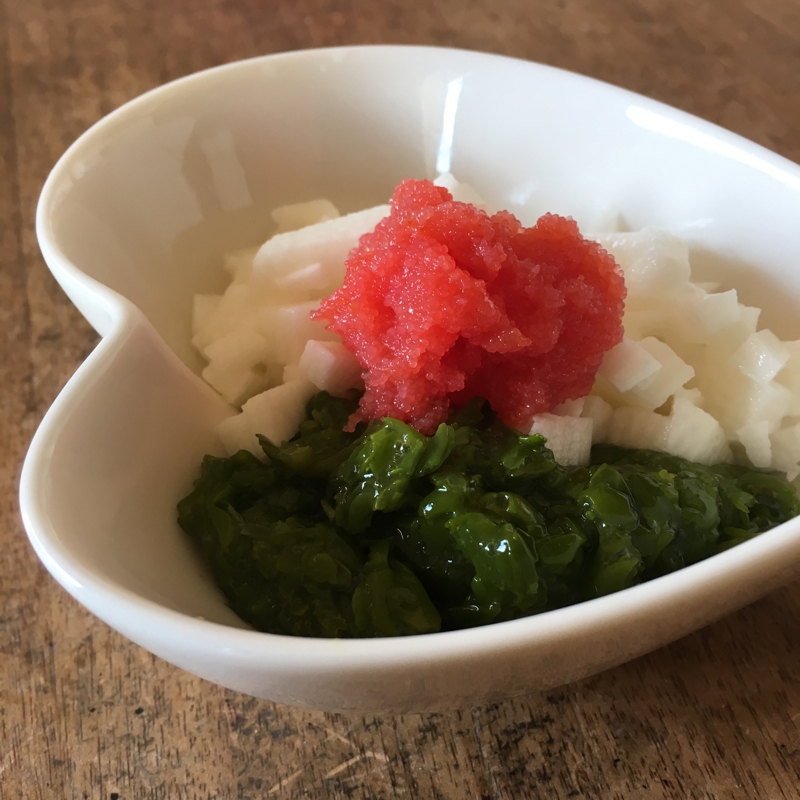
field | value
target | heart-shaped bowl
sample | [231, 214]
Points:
[134, 219]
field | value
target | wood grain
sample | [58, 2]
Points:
[86, 714]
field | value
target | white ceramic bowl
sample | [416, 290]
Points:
[133, 220]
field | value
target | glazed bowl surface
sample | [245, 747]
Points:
[134, 220]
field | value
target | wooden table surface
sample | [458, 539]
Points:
[86, 714]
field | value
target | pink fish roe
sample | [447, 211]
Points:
[442, 303]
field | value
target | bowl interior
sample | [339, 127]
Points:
[147, 202]
[150, 199]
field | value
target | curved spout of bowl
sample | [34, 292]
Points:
[118, 448]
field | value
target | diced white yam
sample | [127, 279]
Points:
[727, 340]
[673, 373]
[638, 428]
[289, 328]
[707, 314]
[570, 438]
[299, 215]
[235, 308]
[627, 364]
[310, 279]
[673, 319]
[683, 320]
[750, 316]
[754, 436]
[770, 402]
[603, 389]
[462, 192]
[276, 414]
[718, 310]
[204, 306]
[242, 348]
[237, 434]
[570, 408]
[331, 367]
[650, 322]
[655, 263]
[266, 323]
[721, 385]
[599, 411]
[694, 396]
[235, 384]
[326, 243]
[761, 357]
[236, 299]
[239, 263]
[786, 451]
[696, 435]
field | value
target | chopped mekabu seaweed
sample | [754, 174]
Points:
[384, 531]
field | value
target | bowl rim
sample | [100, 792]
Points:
[95, 591]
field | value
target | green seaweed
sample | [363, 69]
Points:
[386, 532]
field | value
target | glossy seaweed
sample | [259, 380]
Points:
[387, 532]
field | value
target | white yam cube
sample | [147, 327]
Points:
[289, 328]
[707, 314]
[761, 357]
[239, 263]
[658, 322]
[655, 263]
[310, 280]
[462, 192]
[786, 451]
[750, 316]
[237, 434]
[694, 396]
[331, 367]
[570, 438]
[326, 243]
[755, 438]
[294, 216]
[276, 414]
[235, 306]
[570, 408]
[718, 310]
[638, 428]
[603, 389]
[627, 364]
[599, 412]
[755, 401]
[696, 435]
[673, 373]
[242, 348]
[721, 386]
[235, 384]
[727, 340]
